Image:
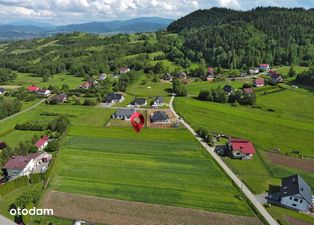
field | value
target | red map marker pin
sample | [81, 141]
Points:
[137, 125]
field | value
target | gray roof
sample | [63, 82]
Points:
[296, 185]
[138, 101]
[2, 89]
[159, 99]
[125, 112]
[113, 97]
[159, 116]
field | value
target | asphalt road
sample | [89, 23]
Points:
[270, 220]
[5, 221]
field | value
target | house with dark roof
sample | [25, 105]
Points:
[123, 114]
[180, 75]
[137, 102]
[43, 93]
[260, 82]
[158, 101]
[228, 89]
[114, 98]
[2, 91]
[294, 193]
[59, 98]
[159, 117]
[241, 149]
[168, 77]
[24, 165]
[42, 143]
[33, 88]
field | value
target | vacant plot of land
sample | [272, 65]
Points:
[155, 166]
[302, 164]
[118, 212]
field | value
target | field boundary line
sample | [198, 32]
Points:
[242, 187]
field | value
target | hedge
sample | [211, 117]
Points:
[12, 185]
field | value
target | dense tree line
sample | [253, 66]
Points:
[6, 75]
[9, 107]
[306, 77]
[236, 39]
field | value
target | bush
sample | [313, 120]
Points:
[89, 102]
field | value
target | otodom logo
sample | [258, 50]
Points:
[32, 212]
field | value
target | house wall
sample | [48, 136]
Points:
[43, 146]
[18, 172]
[13, 172]
[300, 204]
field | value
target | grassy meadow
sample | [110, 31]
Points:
[155, 166]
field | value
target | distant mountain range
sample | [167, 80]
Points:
[33, 29]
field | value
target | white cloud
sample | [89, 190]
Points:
[66, 11]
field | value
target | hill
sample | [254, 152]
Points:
[236, 39]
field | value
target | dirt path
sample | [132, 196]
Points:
[117, 212]
[303, 164]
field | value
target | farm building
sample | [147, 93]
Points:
[43, 92]
[2, 91]
[168, 77]
[2, 145]
[294, 193]
[114, 98]
[264, 66]
[59, 98]
[158, 101]
[248, 91]
[24, 165]
[137, 102]
[124, 70]
[259, 82]
[33, 88]
[123, 114]
[42, 143]
[241, 149]
[159, 117]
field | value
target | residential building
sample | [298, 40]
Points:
[180, 75]
[137, 102]
[59, 98]
[42, 143]
[248, 91]
[241, 149]
[158, 101]
[159, 117]
[210, 71]
[228, 89]
[123, 114]
[114, 98]
[43, 93]
[86, 85]
[102, 76]
[2, 91]
[276, 78]
[264, 66]
[260, 82]
[168, 77]
[33, 88]
[124, 70]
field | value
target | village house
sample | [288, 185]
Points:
[2, 91]
[124, 70]
[210, 71]
[276, 78]
[33, 88]
[59, 98]
[294, 193]
[168, 77]
[248, 91]
[228, 89]
[137, 102]
[254, 71]
[102, 76]
[42, 143]
[159, 117]
[86, 85]
[43, 93]
[264, 67]
[24, 165]
[209, 77]
[241, 149]
[3, 145]
[114, 98]
[180, 75]
[123, 114]
[158, 101]
[260, 82]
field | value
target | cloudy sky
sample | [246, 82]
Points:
[77, 11]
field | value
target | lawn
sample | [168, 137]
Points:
[285, 69]
[155, 166]
[48, 220]
[266, 129]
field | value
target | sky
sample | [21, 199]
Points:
[79, 11]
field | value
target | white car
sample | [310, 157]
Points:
[79, 222]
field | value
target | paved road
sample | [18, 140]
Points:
[30, 108]
[5, 221]
[235, 179]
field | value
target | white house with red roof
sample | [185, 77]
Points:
[43, 93]
[86, 85]
[264, 66]
[42, 143]
[33, 88]
[241, 149]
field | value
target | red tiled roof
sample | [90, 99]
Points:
[264, 65]
[244, 146]
[19, 162]
[41, 142]
[33, 88]
[259, 81]
[248, 90]
[210, 70]
[86, 84]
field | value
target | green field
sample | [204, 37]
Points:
[195, 87]
[156, 166]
